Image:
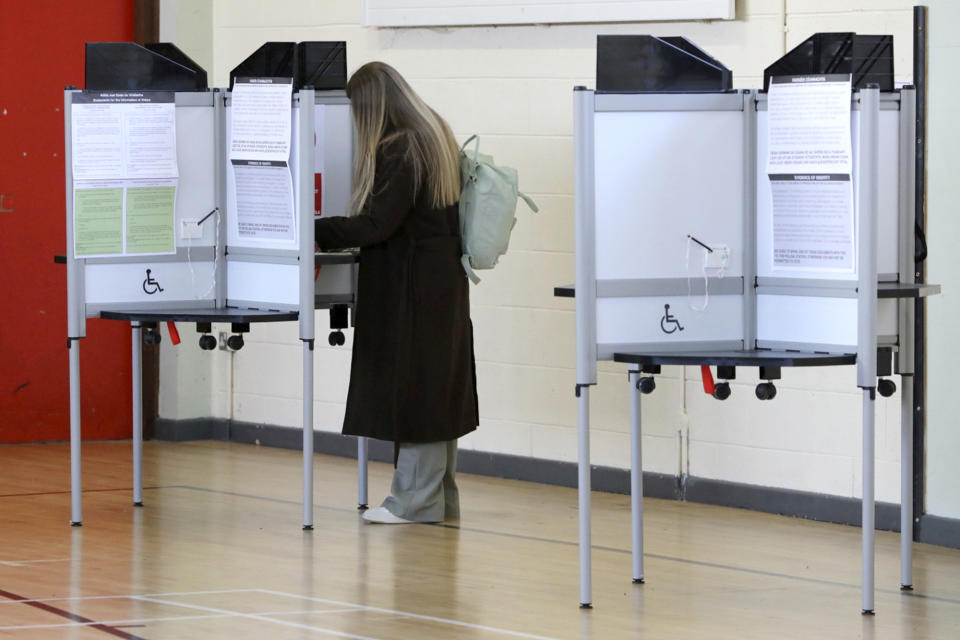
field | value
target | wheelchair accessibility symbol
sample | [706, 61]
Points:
[669, 320]
[151, 286]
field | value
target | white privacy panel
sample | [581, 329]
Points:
[888, 201]
[888, 223]
[273, 285]
[648, 320]
[887, 317]
[334, 140]
[810, 320]
[196, 160]
[818, 320]
[659, 177]
[148, 282]
[334, 279]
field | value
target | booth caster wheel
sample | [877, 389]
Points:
[766, 391]
[646, 385]
[208, 342]
[886, 388]
[151, 336]
[336, 339]
[235, 342]
[721, 390]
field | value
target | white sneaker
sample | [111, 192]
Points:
[382, 515]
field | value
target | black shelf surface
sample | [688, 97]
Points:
[201, 315]
[897, 290]
[755, 358]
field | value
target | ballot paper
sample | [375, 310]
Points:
[260, 135]
[124, 166]
[809, 164]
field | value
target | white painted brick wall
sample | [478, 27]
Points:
[512, 85]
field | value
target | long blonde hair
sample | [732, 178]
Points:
[386, 108]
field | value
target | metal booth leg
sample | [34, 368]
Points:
[906, 483]
[362, 473]
[636, 477]
[583, 491]
[307, 434]
[868, 500]
[76, 515]
[137, 393]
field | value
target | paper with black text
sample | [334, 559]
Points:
[809, 124]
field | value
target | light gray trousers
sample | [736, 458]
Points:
[424, 487]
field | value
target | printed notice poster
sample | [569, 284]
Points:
[124, 165]
[149, 224]
[261, 119]
[812, 225]
[264, 200]
[98, 220]
[809, 124]
[809, 165]
[260, 132]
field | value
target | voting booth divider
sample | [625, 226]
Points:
[720, 228]
[198, 206]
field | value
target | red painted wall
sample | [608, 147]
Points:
[41, 52]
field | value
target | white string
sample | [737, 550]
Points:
[706, 291]
[216, 257]
[706, 278]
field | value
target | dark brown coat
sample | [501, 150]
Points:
[413, 377]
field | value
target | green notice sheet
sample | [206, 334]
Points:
[98, 221]
[150, 219]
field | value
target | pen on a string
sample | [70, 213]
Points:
[700, 243]
[203, 219]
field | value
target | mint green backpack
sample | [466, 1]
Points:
[488, 205]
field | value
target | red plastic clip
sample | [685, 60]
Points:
[708, 384]
[174, 334]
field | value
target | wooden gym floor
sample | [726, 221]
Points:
[217, 552]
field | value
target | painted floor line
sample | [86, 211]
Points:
[142, 621]
[23, 563]
[417, 616]
[251, 616]
[129, 595]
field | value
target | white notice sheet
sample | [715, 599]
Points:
[264, 191]
[124, 163]
[117, 135]
[260, 132]
[809, 124]
[809, 164]
[812, 222]
[260, 121]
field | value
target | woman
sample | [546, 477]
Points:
[413, 379]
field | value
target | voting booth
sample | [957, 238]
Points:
[192, 205]
[762, 228]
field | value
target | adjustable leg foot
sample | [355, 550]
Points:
[308, 527]
[867, 612]
[638, 581]
[586, 605]
[906, 587]
[138, 504]
[76, 524]
[361, 507]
